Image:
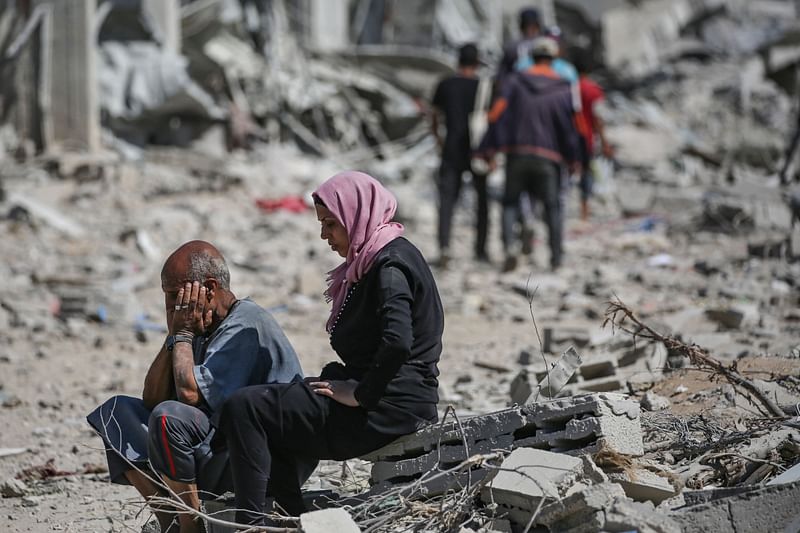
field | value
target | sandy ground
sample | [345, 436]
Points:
[52, 373]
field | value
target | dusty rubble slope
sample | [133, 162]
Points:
[55, 371]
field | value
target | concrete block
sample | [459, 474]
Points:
[522, 386]
[625, 515]
[599, 368]
[608, 384]
[12, 488]
[617, 419]
[770, 508]
[575, 426]
[327, 520]
[415, 488]
[735, 316]
[643, 485]
[445, 456]
[426, 439]
[572, 512]
[653, 402]
[528, 476]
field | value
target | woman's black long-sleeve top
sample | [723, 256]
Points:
[389, 336]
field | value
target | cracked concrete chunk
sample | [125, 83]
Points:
[528, 476]
[328, 520]
[771, 508]
[644, 485]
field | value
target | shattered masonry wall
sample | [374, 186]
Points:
[575, 426]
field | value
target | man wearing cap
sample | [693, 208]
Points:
[217, 344]
[454, 98]
[532, 122]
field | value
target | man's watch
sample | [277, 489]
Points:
[172, 340]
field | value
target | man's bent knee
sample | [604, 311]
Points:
[174, 431]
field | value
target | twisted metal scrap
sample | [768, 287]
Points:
[622, 318]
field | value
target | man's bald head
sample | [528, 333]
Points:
[195, 261]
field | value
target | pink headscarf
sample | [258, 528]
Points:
[365, 208]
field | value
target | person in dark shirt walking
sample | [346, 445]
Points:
[455, 99]
[385, 324]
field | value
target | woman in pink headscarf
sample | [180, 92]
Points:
[385, 324]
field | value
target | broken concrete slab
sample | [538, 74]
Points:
[653, 402]
[625, 515]
[701, 496]
[13, 488]
[327, 520]
[556, 376]
[607, 384]
[771, 508]
[643, 485]
[728, 318]
[612, 418]
[581, 508]
[789, 476]
[575, 426]
[604, 507]
[444, 456]
[428, 438]
[528, 476]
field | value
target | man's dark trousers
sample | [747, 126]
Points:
[541, 178]
[450, 181]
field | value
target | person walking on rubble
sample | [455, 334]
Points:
[455, 98]
[517, 58]
[385, 324]
[517, 53]
[532, 122]
[216, 345]
[591, 95]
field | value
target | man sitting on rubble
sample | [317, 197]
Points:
[216, 345]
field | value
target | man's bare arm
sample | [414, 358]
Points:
[183, 371]
[190, 318]
[158, 383]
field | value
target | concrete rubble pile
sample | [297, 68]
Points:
[575, 426]
[207, 132]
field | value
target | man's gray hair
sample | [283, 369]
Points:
[203, 266]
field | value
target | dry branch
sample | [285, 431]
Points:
[622, 318]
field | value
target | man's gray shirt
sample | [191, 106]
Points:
[247, 348]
